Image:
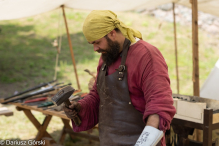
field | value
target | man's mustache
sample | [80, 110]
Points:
[101, 51]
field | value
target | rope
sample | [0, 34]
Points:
[58, 45]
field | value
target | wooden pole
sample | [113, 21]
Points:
[195, 48]
[207, 128]
[195, 58]
[70, 47]
[175, 43]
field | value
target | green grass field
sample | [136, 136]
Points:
[27, 57]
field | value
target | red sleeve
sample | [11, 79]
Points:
[156, 87]
[89, 109]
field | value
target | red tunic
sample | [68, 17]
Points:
[148, 83]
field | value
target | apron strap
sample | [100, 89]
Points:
[122, 67]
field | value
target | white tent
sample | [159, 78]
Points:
[15, 9]
[210, 89]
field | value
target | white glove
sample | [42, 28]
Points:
[150, 136]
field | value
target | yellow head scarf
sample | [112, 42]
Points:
[101, 22]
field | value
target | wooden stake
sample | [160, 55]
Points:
[70, 47]
[175, 43]
[195, 48]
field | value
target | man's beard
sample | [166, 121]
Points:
[112, 52]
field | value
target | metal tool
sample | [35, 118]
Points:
[31, 89]
[34, 93]
[63, 97]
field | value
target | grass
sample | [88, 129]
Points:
[27, 58]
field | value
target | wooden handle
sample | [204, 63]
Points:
[67, 103]
[76, 119]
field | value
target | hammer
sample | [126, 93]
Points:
[62, 97]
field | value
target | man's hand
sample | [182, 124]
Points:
[72, 110]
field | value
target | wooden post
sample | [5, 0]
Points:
[195, 57]
[175, 43]
[70, 47]
[195, 48]
[207, 130]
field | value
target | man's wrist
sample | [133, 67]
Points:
[153, 120]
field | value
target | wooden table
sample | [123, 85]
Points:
[184, 128]
[5, 111]
[42, 133]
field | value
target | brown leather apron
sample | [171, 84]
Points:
[120, 124]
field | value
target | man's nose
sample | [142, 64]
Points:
[96, 48]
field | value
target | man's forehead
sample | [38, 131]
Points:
[92, 42]
[96, 41]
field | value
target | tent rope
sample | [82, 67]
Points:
[58, 45]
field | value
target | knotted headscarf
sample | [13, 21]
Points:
[101, 22]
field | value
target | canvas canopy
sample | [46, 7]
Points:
[15, 9]
[210, 87]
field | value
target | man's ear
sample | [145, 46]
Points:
[112, 35]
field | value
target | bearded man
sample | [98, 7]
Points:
[131, 95]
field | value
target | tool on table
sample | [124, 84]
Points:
[184, 104]
[48, 89]
[35, 100]
[210, 103]
[30, 89]
[46, 104]
[63, 97]
[37, 103]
